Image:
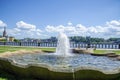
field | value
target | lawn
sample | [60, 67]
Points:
[3, 79]
[12, 48]
[106, 51]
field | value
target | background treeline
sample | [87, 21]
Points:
[78, 39]
[75, 39]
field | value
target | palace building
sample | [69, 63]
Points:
[5, 36]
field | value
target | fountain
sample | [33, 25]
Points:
[63, 45]
[61, 65]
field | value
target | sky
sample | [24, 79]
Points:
[46, 18]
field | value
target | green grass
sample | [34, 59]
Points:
[117, 52]
[3, 79]
[105, 51]
[99, 51]
[11, 48]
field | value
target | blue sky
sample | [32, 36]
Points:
[45, 18]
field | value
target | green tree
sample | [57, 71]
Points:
[16, 40]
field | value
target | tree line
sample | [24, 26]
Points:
[78, 39]
[75, 39]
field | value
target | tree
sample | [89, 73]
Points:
[16, 40]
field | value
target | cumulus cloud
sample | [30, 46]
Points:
[24, 25]
[39, 30]
[69, 23]
[2, 24]
[17, 29]
[23, 29]
[80, 28]
[50, 28]
[68, 28]
[113, 23]
[19, 33]
[59, 28]
[111, 28]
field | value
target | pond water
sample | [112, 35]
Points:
[77, 60]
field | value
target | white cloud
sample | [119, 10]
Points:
[77, 28]
[69, 23]
[24, 25]
[111, 28]
[39, 30]
[2, 24]
[69, 29]
[81, 28]
[58, 28]
[27, 30]
[17, 29]
[18, 33]
[101, 29]
[113, 23]
[92, 30]
[50, 28]
[38, 33]
[23, 29]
